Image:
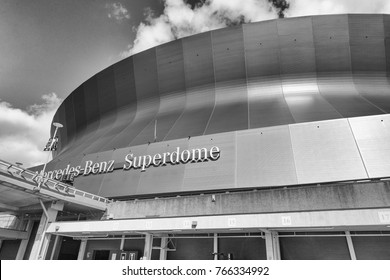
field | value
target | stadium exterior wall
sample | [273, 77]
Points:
[268, 140]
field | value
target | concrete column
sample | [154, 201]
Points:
[83, 246]
[215, 246]
[122, 243]
[275, 238]
[42, 239]
[350, 245]
[55, 247]
[164, 247]
[44, 245]
[24, 242]
[38, 238]
[148, 246]
[272, 245]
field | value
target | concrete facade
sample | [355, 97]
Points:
[343, 196]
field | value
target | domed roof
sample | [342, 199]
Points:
[262, 74]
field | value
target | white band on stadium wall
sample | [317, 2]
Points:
[139, 162]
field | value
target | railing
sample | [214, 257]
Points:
[54, 185]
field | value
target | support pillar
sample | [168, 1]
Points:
[122, 246]
[272, 245]
[350, 245]
[56, 247]
[41, 243]
[83, 246]
[24, 242]
[275, 238]
[215, 246]
[164, 247]
[44, 245]
[148, 246]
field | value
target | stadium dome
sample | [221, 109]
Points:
[278, 78]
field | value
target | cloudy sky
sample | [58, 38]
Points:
[49, 47]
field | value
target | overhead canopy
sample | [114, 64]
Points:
[21, 190]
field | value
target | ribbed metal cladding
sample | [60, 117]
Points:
[262, 74]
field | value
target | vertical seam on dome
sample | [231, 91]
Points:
[317, 73]
[384, 41]
[159, 99]
[349, 45]
[246, 76]
[352, 74]
[129, 123]
[236, 159]
[280, 72]
[369, 102]
[215, 84]
[185, 95]
[159, 104]
[117, 107]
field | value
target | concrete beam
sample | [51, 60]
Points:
[290, 221]
[8, 207]
[342, 196]
[13, 234]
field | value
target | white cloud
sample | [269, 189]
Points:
[179, 20]
[24, 133]
[117, 11]
[318, 7]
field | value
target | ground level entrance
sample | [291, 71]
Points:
[314, 245]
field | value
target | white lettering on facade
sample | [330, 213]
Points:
[139, 162]
[88, 167]
[110, 167]
[129, 162]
